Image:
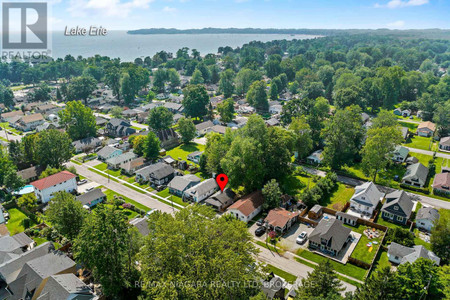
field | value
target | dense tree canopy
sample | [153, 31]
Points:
[78, 120]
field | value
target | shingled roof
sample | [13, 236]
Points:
[52, 180]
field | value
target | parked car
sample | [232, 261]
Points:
[260, 222]
[159, 188]
[150, 212]
[260, 231]
[301, 239]
[82, 181]
[90, 189]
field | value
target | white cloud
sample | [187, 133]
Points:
[110, 8]
[169, 9]
[402, 3]
[396, 24]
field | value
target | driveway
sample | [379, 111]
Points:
[431, 153]
[288, 240]
[84, 187]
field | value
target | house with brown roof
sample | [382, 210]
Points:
[444, 144]
[29, 122]
[426, 129]
[131, 166]
[441, 184]
[46, 188]
[280, 219]
[7, 116]
[247, 207]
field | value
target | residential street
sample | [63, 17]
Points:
[122, 189]
[431, 153]
[290, 266]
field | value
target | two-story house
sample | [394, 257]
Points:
[366, 198]
[397, 208]
[400, 154]
[46, 188]
[108, 152]
[156, 174]
[180, 184]
[201, 191]
[330, 236]
[119, 128]
[426, 218]
[416, 175]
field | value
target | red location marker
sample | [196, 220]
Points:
[222, 181]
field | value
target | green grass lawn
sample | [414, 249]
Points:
[293, 185]
[136, 128]
[110, 195]
[340, 196]
[347, 269]
[381, 221]
[40, 241]
[361, 251]
[104, 167]
[15, 222]
[183, 150]
[165, 193]
[384, 177]
[283, 274]
[412, 126]
[420, 142]
[419, 241]
[381, 262]
[415, 118]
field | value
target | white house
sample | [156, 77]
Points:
[201, 191]
[247, 207]
[29, 122]
[366, 198]
[108, 152]
[195, 156]
[399, 254]
[204, 128]
[45, 188]
[426, 216]
[276, 109]
[315, 158]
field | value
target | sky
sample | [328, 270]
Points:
[316, 14]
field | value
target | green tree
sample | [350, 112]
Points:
[41, 93]
[226, 110]
[377, 151]
[173, 78]
[272, 195]
[223, 253]
[78, 120]
[27, 201]
[440, 236]
[66, 214]
[81, 88]
[160, 118]
[226, 83]
[139, 144]
[127, 90]
[197, 78]
[187, 129]
[384, 119]
[195, 100]
[382, 285]
[159, 80]
[215, 150]
[257, 96]
[303, 143]
[116, 112]
[53, 148]
[6, 96]
[244, 78]
[343, 135]
[107, 228]
[151, 146]
[8, 171]
[112, 78]
[322, 283]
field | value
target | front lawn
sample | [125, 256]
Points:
[420, 142]
[15, 222]
[110, 195]
[184, 150]
[283, 274]
[347, 269]
[104, 167]
[165, 193]
[411, 126]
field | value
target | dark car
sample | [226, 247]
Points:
[260, 222]
[260, 231]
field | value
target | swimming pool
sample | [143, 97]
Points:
[25, 190]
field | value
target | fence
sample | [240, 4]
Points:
[359, 263]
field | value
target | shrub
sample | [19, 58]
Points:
[26, 223]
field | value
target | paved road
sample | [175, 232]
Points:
[408, 121]
[427, 152]
[10, 137]
[122, 189]
[289, 265]
[354, 182]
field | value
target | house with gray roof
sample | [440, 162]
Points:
[399, 254]
[416, 175]
[397, 208]
[65, 286]
[157, 174]
[195, 156]
[141, 225]
[347, 218]
[174, 107]
[330, 236]
[444, 144]
[91, 198]
[400, 154]
[220, 201]
[201, 191]
[133, 165]
[116, 161]
[119, 128]
[179, 184]
[426, 217]
[86, 144]
[366, 198]
[108, 152]
[13, 246]
[204, 127]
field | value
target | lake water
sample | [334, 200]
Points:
[128, 47]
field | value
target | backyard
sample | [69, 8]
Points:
[15, 222]
[366, 248]
[182, 151]
[339, 197]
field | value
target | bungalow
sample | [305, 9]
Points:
[180, 184]
[29, 122]
[316, 157]
[426, 129]
[247, 207]
[201, 191]
[281, 219]
[130, 113]
[219, 129]
[119, 128]
[115, 162]
[45, 108]
[131, 166]
[416, 175]
[91, 198]
[100, 122]
[174, 107]
[177, 117]
[108, 152]
[403, 113]
[195, 156]
[272, 122]
[366, 198]
[168, 138]
[347, 218]
[444, 144]
[399, 254]
[441, 184]
[275, 109]
[238, 122]
[157, 174]
[45, 188]
[7, 116]
[30, 174]
[204, 127]
[397, 208]
[400, 154]
[273, 287]
[330, 236]
[221, 200]
[426, 217]
[86, 144]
